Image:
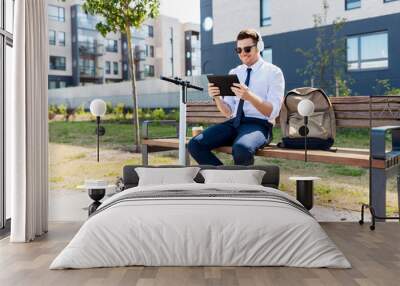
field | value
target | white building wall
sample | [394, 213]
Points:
[112, 57]
[287, 15]
[161, 43]
[164, 48]
[62, 51]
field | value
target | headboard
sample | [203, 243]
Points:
[270, 179]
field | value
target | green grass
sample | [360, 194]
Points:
[120, 134]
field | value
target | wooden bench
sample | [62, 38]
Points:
[350, 112]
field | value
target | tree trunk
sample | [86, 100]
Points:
[135, 111]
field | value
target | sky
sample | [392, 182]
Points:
[184, 10]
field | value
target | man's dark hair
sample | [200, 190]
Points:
[246, 34]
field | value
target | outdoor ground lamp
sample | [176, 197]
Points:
[305, 109]
[98, 108]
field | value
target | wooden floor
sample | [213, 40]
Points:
[375, 257]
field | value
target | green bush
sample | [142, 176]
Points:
[140, 113]
[109, 107]
[393, 91]
[384, 86]
[80, 109]
[53, 109]
[173, 115]
[62, 109]
[120, 111]
[158, 114]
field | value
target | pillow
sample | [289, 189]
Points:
[166, 176]
[248, 177]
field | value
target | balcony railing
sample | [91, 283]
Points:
[90, 72]
[140, 53]
[91, 48]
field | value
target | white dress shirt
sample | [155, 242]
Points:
[267, 82]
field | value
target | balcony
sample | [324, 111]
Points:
[91, 48]
[91, 72]
[140, 34]
[140, 53]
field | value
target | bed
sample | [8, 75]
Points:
[198, 224]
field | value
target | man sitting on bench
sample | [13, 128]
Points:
[251, 112]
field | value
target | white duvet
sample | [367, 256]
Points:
[200, 231]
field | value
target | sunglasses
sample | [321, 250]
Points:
[245, 49]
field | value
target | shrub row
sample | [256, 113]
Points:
[119, 112]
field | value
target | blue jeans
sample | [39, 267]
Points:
[250, 135]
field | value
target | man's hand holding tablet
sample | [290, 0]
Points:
[223, 83]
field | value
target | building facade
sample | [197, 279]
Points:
[371, 33]
[79, 55]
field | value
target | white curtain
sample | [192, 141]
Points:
[26, 123]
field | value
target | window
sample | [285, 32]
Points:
[56, 13]
[150, 31]
[61, 38]
[267, 55]
[6, 64]
[52, 84]
[386, 1]
[108, 67]
[148, 70]
[52, 37]
[146, 53]
[152, 51]
[352, 4]
[265, 17]
[57, 63]
[112, 46]
[63, 84]
[87, 67]
[115, 68]
[369, 51]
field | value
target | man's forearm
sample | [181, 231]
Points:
[263, 107]
[223, 107]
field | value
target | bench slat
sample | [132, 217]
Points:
[365, 107]
[340, 123]
[362, 99]
[191, 108]
[387, 115]
[205, 119]
[360, 123]
[204, 114]
[350, 112]
[343, 156]
[337, 107]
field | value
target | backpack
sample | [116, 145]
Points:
[321, 124]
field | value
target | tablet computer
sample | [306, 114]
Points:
[224, 82]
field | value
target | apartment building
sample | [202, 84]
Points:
[79, 55]
[371, 32]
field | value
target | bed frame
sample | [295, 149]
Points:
[270, 179]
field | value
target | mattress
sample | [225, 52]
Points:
[201, 225]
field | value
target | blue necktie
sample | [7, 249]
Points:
[240, 113]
